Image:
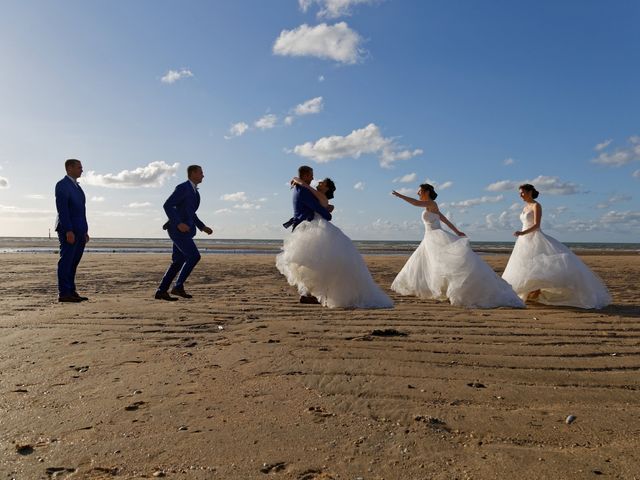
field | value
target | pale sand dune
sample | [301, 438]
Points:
[285, 390]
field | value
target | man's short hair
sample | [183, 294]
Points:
[304, 169]
[70, 163]
[193, 168]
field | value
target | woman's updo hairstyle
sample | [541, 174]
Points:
[429, 188]
[331, 187]
[527, 187]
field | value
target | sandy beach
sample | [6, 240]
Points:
[243, 382]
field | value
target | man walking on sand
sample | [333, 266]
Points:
[72, 228]
[181, 208]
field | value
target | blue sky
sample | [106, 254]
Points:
[476, 97]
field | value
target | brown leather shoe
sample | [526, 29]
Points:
[309, 299]
[69, 299]
[164, 296]
[180, 292]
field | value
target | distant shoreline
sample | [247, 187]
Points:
[36, 245]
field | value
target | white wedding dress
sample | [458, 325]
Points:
[322, 261]
[444, 267]
[540, 262]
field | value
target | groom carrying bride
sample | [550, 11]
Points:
[319, 259]
[305, 205]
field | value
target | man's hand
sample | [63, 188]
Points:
[71, 238]
[207, 230]
[183, 227]
[330, 208]
[86, 238]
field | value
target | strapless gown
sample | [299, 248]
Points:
[319, 259]
[445, 267]
[540, 262]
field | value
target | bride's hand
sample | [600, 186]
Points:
[517, 234]
[461, 234]
[394, 193]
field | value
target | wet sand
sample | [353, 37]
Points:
[243, 382]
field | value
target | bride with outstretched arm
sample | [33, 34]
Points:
[444, 267]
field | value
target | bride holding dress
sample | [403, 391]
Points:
[544, 270]
[445, 267]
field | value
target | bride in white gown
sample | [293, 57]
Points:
[322, 261]
[445, 267]
[544, 270]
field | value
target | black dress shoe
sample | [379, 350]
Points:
[82, 299]
[309, 299]
[69, 299]
[165, 296]
[180, 292]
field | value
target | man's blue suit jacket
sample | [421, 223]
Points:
[70, 204]
[305, 206]
[181, 207]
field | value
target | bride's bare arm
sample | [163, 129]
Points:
[320, 196]
[412, 201]
[446, 221]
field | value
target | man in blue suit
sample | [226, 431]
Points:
[72, 228]
[305, 206]
[181, 209]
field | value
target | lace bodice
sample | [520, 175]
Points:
[527, 218]
[431, 220]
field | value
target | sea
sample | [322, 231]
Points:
[35, 245]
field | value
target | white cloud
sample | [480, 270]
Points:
[359, 186]
[266, 122]
[334, 42]
[544, 184]
[97, 199]
[155, 174]
[498, 222]
[614, 199]
[508, 161]
[236, 130]
[172, 76]
[19, 211]
[248, 206]
[367, 140]
[234, 197]
[438, 185]
[120, 213]
[309, 107]
[321, 78]
[222, 211]
[4, 182]
[472, 202]
[626, 218]
[408, 178]
[333, 8]
[621, 156]
[636, 174]
[288, 120]
[139, 204]
[601, 146]
[407, 191]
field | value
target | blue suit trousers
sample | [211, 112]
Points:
[184, 259]
[70, 255]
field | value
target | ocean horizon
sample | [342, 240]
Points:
[36, 245]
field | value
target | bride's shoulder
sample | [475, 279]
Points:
[432, 206]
